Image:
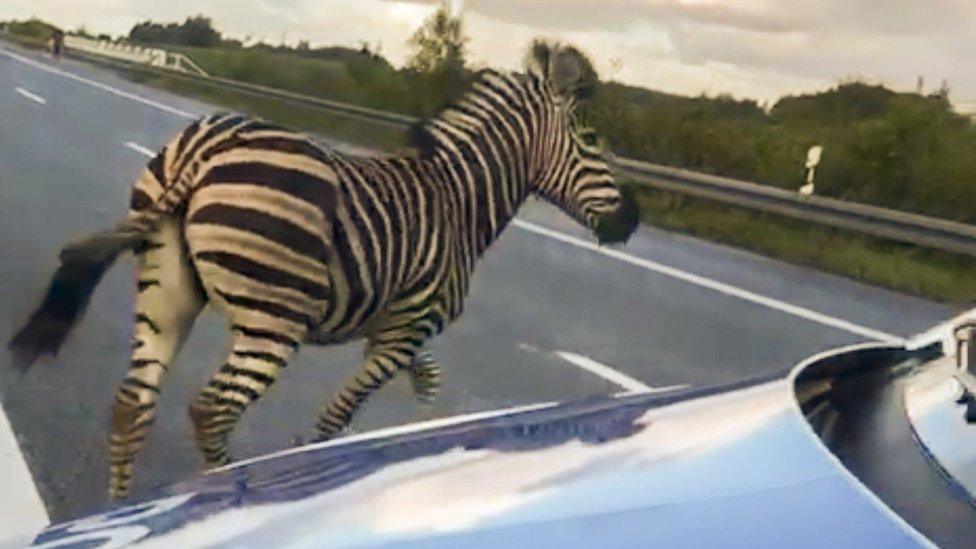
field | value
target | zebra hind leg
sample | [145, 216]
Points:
[257, 355]
[425, 377]
[384, 358]
[167, 302]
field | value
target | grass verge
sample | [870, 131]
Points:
[905, 268]
[351, 130]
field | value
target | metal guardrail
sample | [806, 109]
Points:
[131, 53]
[895, 225]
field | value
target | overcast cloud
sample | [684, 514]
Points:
[749, 48]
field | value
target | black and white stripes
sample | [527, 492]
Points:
[295, 243]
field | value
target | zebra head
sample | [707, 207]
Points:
[571, 168]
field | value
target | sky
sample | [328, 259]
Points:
[760, 49]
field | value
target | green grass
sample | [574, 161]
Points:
[285, 72]
[906, 268]
[32, 29]
[24, 41]
[351, 130]
[361, 79]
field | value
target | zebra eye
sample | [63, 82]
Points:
[589, 138]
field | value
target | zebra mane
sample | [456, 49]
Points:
[419, 136]
[564, 67]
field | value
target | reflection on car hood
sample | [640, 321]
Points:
[733, 467]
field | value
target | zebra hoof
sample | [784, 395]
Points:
[117, 493]
[120, 481]
[328, 429]
[425, 376]
[321, 437]
[216, 456]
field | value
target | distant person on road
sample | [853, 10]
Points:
[56, 43]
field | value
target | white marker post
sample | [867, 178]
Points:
[813, 158]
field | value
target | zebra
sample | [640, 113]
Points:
[296, 243]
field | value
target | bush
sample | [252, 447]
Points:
[903, 151]
[194, 31]
[32, 28]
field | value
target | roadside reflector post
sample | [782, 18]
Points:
[965, 335]
[813, 159]
[965, 347]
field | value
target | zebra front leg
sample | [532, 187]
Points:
[425, 377]
[385, 356]
[167, 302]
[257, 355]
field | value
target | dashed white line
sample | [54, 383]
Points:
[32, 96]
[95, 84]
[628, 383]
[721, 287]
[140, 149]
[22, 511]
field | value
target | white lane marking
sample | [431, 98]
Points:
[628, 383]
[139, 149]
[22, 511]
[32, 96]
[95, 84]
[528, 348]
[720, 287]
[714, 285]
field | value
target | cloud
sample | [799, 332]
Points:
[868, 16]
[612, 15]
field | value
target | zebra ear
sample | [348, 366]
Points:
[537, 62]
[566, 68]
[572, 73]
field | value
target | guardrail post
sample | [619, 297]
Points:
[965, 347]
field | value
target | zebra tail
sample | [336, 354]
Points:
[82, 265]
[84, 262]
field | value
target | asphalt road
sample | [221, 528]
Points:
[66, 169]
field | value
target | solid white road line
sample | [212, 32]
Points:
[95, 84]
[714, 285]
[139, 149]
[701, 281]
[32, 96]
[22, 511]
[613, 376]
